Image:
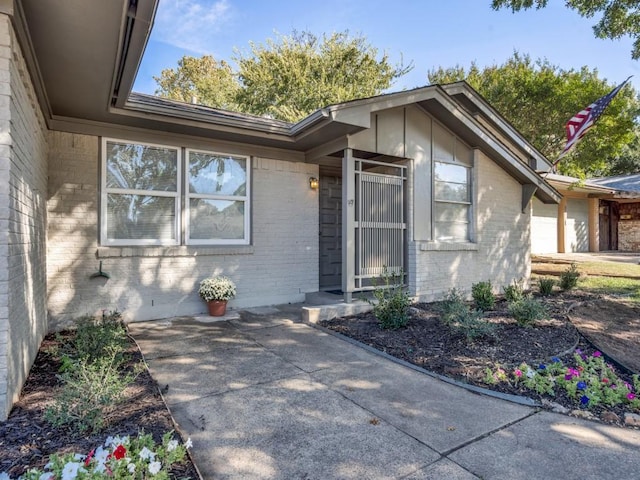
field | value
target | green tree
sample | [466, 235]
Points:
[619, 17]
[210, 82]
[538, 98]
[291, 76]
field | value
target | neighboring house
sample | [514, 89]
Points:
[431, 181]
[593, 215]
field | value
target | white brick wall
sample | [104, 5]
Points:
[23, 188]
[155, 282]
[502, 250]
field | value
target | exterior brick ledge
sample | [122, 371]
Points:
[447, 247]
[180, 251]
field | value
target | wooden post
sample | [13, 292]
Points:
[348, 225]
[562, 220]
[594, 224]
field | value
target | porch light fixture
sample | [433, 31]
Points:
[314, 183]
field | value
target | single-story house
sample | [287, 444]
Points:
[599, 214]
[117, 200]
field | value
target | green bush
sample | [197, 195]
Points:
[457, 315]
[545, 285]
[90, 391]
[93, 374]
[569, 278]
[482, 293]
[527, 311]
[453, 306]
[392, 306]
[513, 292]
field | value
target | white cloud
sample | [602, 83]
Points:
[190, 24]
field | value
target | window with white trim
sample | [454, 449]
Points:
[452, 187]
[142, 196]
[217, 198]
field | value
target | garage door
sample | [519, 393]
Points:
[576, 230]
[544, 228]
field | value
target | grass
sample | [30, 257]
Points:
[611, 278]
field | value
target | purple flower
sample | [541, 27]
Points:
[584, 400]
[578, 351]
[631, 396]
[542, 366]
[555, 359]
[568, 376]
[597, 354]
[581, 385]
[614, 386]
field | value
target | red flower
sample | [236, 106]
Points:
[605, 380]
[89, 457]
[119, 452]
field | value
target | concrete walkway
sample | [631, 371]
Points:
[264, 396]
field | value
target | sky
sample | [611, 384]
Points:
[426, 33]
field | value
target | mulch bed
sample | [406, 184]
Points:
[429, 343]
[27, 439]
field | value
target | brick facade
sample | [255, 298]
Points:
[279, 266]
[23, 191]
[629, 227]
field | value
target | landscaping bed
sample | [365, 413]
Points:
[428, 342]
[27, 439]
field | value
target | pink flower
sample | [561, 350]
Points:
[518, 372]
[597, 354]
[605, 380]
[631, 396]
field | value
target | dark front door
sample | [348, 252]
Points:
[605, 226]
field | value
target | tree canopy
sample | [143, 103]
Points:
[538, 98]
[287, 77]
[619, 17]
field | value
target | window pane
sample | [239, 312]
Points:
[141, 167]
[452, 232]
[451, 212]
[217, 175]
[140, 217]
[216, 219]
[447, 172]
[455, 192]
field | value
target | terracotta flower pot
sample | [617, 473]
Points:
[217, 308]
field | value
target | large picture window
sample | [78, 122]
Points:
[217, 198]
[143, 193]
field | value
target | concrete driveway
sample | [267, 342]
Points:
[264, 396]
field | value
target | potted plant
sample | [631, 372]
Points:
[216, 291]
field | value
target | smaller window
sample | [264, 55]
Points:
[217, 198]
[452, 188]
[140, 199]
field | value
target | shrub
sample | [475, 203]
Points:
[90, 391]
[569, 278]
[95, 338]
[392, 306]
[527, 310]
[514, 292]
[545, 285]
[482, 293]
[453, 306]
[457, 315]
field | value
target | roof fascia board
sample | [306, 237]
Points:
[327, 149]
[240, 126]
[137, 22]
[100, 129]
[464, 89]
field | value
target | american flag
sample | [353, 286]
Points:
[582, 121]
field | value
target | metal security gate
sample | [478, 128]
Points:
[380, 224]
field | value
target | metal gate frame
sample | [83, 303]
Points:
[373, 237]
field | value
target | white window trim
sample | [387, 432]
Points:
[245, 198]
[104, 191]
[472, 203]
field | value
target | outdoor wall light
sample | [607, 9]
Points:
[314, 183]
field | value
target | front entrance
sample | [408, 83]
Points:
[379, 227]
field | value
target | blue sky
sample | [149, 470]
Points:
[429, 33]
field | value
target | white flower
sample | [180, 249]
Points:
[530, 373]
[46, 476]
[188, 444]
[172, 445]
[79, 457]
[70, 470]
[4, 476]
[146, 454]
[100, 456]
[115, 441]
[131, 467]
[154, 467]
